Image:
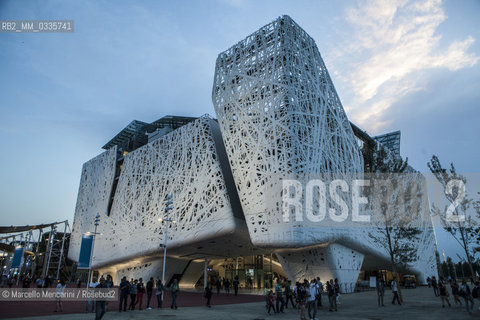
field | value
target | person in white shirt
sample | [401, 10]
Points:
[395, 292]
[312, 293]
[59, 292]
[93, 284]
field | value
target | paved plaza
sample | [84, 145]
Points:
[419, 303]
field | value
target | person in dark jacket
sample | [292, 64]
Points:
[100, 304]
[208, 294]
[140, 292]
[150, 285]
[124, 291]
[380, 291]
[235, 285]
[218, 285]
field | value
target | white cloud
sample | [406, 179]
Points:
[392, 43]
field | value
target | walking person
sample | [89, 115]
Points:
[332, 296]
[434, 286]
[235, 285]
[270, 303]
[140, 292]
[279, 297]
[150, 285]
[466, 294]
[395, 292]
[443, 293]
[59, 293]
[124, 291]
[380, 291]
[101, 305]
[311, 302]
[159, 293]
[133, 294]
[455, 292]
[174, 292]
[289, 294]
[208, 294]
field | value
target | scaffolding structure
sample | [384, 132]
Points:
[51, 246]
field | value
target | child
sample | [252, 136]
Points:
[270, 302]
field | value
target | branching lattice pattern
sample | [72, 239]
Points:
[93, 195]
[279, 115]
[183, 163]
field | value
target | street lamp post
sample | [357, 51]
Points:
[168, 203]
[97, 220]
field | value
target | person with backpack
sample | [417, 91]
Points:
[466, 294]
[150, 285]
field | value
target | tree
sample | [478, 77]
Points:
[395, 227]
[461, 229]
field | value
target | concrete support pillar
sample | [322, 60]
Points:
[205, 274]
[333, 261]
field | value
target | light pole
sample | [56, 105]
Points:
[168, 203]
[97, 220]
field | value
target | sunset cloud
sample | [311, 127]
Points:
[392, 43]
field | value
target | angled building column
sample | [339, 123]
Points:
[328, 262]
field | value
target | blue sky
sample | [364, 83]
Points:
[397, 65]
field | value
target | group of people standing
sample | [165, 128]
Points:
[135, 289]
[306, 295]
[226, 284]
[458, 291]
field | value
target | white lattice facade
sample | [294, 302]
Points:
[279, 117]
